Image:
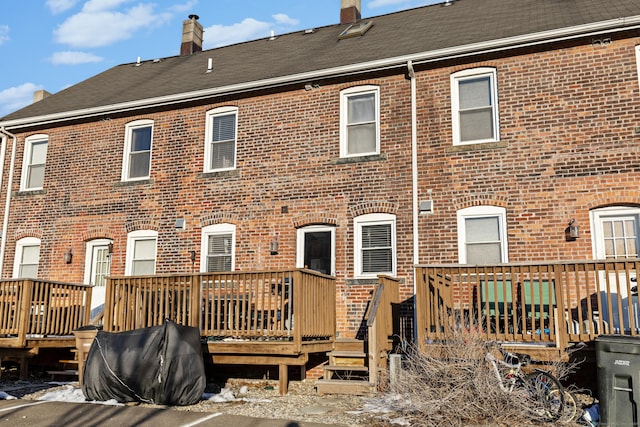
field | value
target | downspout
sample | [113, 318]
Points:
[5, 220]
[414, 164]
[414, 185]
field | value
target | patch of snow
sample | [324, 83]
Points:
[6, 396]
[75, 395]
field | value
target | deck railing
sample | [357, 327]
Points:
[380, 317]
[36, 308]
[553, 303]
[290, 304]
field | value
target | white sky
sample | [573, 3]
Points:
[53, 44]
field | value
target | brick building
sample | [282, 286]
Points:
[463, 132]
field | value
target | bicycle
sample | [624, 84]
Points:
[541, 388]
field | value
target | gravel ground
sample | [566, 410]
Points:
[253, 398]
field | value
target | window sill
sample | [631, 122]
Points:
[359, 159]
[233, 173]
[29, 192]
[477, 147]
[122, 184]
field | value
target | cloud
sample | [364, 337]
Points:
[14, 98]
[59, 6]
[223, 35]
[97, 25]
[93, 6]
[4, 33]
[184, 7]
[283, 19]
[73, 58]
[248, 29]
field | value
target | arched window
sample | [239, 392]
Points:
[482, 236]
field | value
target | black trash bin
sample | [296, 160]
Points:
[618, 360]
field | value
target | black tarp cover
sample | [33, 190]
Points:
[161, 364]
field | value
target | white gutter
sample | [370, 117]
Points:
[619, 24]
[7, 204]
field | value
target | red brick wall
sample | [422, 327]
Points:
[568, 144]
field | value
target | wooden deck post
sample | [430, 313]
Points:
[283, 379]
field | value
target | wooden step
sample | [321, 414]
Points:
[69, 361]
[347, 358]
[345, 372]
[64, 372]
[360, 388]
[349, 344]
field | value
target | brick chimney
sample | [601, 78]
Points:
[39, 95]
[349, 11]
[191, 36]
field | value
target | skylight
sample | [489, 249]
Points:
[355, 30]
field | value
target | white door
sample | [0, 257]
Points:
[98, 266]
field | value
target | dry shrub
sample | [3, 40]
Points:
[451, 384]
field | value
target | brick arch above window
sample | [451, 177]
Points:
[614, 198]
[96, 233]
[217, 218]
[141, 224]
[27, 232]
[471, 200]
[314, 218]
[375, 206]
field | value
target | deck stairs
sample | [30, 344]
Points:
[69, 367]
[347, 371]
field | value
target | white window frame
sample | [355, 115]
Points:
[373, 219]
[638, 63]
[208, 140]
[483, 211]
[129, 128]
[217, 229]
[88, 267]
[132, 238]
[17, 260]
[473, 73]
[27, 165]
[597, 215]
[344, 134]
[312, 229]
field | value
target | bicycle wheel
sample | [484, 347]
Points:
[570, 412]
[546, 390]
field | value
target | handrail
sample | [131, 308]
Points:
[380, 316]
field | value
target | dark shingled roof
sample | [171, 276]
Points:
[422, 30]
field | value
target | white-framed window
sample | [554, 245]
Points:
[220, 139]
[474, 106]
[375, 245]
[138, 139]
[25, 264]
[317, 248]
[218, 248]
[616, 232]
[141, 253]
[482, 235]
[35, 158]
[360, 121]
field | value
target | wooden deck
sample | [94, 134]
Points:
[37, 314]
[546, 306]
[253, 318]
